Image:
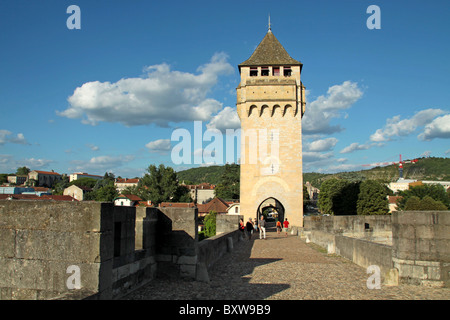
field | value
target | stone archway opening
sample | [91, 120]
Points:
[273, 211]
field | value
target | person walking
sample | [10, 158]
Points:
[286, 226]
[262, 227]
[249, 227]
[242, 227]
[278, 226]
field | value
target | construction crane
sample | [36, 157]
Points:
[400, 164]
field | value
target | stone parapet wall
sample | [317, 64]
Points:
[348, 224]
[40, 240]
[212, 249]
[421, 247]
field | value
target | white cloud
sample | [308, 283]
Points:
[438, 128]
[100, 164]
[161, 96]
[93, 147]
[321, 145]
[316, 156]
[355, 147]
[395, 127]
[160, 145]
[6, 137]
[9, 165]
[321, 111]
[225, 119]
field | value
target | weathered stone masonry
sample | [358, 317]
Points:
[117, 249]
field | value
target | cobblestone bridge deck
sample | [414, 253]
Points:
[282, 268]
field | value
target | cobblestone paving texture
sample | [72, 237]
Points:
[282, 268]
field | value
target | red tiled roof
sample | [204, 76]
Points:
[41, 189]
[217, 204]
[19, 196]
[177, 204]
[36, 197]
[127, 180]
[57, 197]
[143, 203]
[393, 199]
[132, 197]
[47, 172]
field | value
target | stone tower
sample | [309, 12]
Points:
[270, 105]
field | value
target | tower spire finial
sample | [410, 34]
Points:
[270, 27]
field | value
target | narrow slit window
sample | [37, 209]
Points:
[253, 72]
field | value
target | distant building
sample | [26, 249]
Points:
[201, 193]
[217, 204]
[35, 197]
[79, 175]
[127, 200]
[15, 190]
[405, 184]
[76, 192]
[17, 179]
[122, 184]
[234, 208]
[400, 185]
[177, 204]
[393, 203]
[39, 191]
[313, 192]
[44, 178]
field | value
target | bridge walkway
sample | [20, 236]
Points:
[282, 268]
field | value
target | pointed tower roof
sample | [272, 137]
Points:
[270, 52]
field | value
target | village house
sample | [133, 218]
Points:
[79, 175]
[127, 200]
[201, 193]
[122, 184]
[43, 178]
[76, 192]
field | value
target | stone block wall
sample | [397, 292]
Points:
[421, 247]
[212, 249]
[227, 222]
[348, 224]
[39, 240]
[176, 242]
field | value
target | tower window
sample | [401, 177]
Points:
[287, 71]
[265, 71]
[276, 71]
[253, 72]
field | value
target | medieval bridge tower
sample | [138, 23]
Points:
[270, 105]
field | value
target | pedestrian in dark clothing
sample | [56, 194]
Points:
[249, 227]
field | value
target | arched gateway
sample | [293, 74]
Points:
[270, 105]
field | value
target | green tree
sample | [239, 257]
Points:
[333, 198]
[159, 184]
[106, 193]
[3, 178]
[210, 224]
[84, 182]
[372, 199]
[434, 191]
[22, 171]
[229, 187]
[414, 203]
[59, 186]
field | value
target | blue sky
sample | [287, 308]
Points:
[108, 96]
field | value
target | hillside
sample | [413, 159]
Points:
[211, 174]
[425, 169]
